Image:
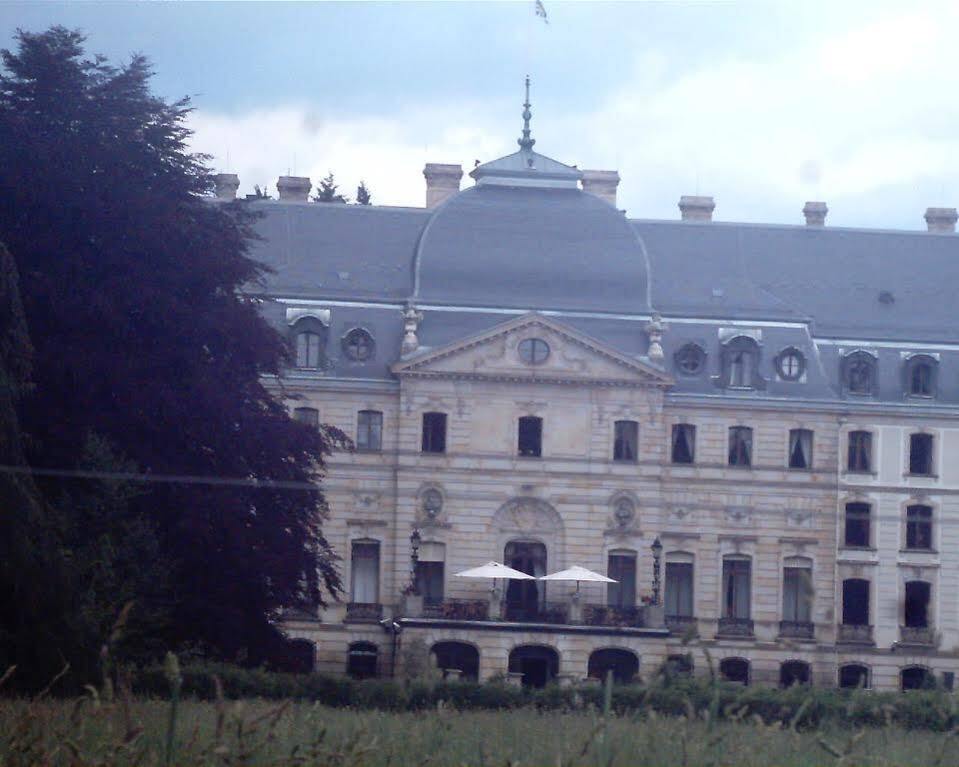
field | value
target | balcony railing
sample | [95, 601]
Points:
[459, 610]
[603, 615]
[736, 627]
[364, 612]
[550, 612]
[797, 629]
[681, 624]
[919, 635]
[848, 632]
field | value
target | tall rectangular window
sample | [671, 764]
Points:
[621, 567]
[309, 348]
[684, 443]
[429, 582]
[916, 609]
[625, 441]
[797, 594]
[860, 451]
[365, 572]
[800, 449]
[919, 527]
[308, 415]
[857, 525]
[736, 588]
[369, 430]
[530, 436]
[678, 597]
[920, 454]
[740, 446]
[434, 432]
[855, 602]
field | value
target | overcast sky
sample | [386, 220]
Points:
[762, 105]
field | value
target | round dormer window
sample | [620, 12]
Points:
[533, 351]
[790, 365]
[358, 345]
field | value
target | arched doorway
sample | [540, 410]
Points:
[916, 678]
[525, 599]
[794, 672]
[623, 663]
[538, 664]
[853, 675]
[734, 670]
[457, 655]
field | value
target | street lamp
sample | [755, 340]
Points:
[415, 539]
[657, 549]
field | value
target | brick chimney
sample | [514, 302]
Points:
[941, 219]
[695, 208]
[602, 183]
[815, 213]
[442, 182]
[226, 185]
[294, 188]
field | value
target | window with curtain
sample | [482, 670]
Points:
[800, 449]
[625, 440]
[369, 430]
[678, 597]
[740, 446]
[919, 527]
[365, 572]
[857, 525]
[736, 588]
[621, 567]
[684, 443]
[797, 594]
[860, 451]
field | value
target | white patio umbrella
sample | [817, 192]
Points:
[495, 570]
[577, 573]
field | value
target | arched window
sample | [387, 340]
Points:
[538, 664]
[623, 664]
[734, 670]
[916, 678]
[309, 343]
[794, 672]
[458, 656]
[920, 372]
[854, 675]
[859, 373]
[741, 363]
[361, 660]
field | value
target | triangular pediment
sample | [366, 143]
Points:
[497, 354]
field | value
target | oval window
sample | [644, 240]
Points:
[533, 351]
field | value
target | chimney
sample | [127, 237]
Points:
[293, 188]
[941, 219]
[815, 213]
[695, 208]
[226, 185]
[442, 182]
[602, 183]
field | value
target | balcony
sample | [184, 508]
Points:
[681, 624]
[458, 610]
[364, 612]
[550, 612]
[735, 627]
[917, 635]
[603, 615]
[852, 633]
[797, 629]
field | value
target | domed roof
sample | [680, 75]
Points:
[531, 248]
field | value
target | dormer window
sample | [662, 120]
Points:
[309, 343]
[859, 373]
[358, 345]
[741, 363]
[920, 373]
[790, 364]
[690, 359]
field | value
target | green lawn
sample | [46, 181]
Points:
[267, 733]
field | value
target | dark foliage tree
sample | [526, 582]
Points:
[363, 195]
[327, 191]
[148, 353]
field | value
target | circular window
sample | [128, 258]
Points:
[358, 345]
[690, 359]
[533, 351]
[790, 365]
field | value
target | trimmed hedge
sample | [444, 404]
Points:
[800, 706]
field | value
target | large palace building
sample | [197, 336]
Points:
[752, 429]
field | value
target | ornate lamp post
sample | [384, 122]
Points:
[415, 539]
[657, 549]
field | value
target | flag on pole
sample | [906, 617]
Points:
[541, 11]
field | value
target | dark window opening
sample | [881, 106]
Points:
[794, 672]
[684, 443]
[678, 596]
[625, 441]
[800, 449]
[457, 656]
[734, 670]
[621, 567]
[429, 582]
[853, 675]
[623, 664]
[857, 525]
[918, 595]
[308, 415]
[365, 572]
[538, 665]
[919, 527]
[434, 432]
[740, 446]
[860, 451]
[916, 678]
[859, 374]
[736, 588]
[920, 454]
[361, 660]
[855, 602]
[530, 436]
[369, 430]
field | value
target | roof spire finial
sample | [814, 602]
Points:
[526, 143]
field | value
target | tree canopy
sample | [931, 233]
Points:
[148, 359]
[327, 190]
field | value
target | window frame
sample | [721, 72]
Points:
[434, 433]
[738, 566]
[348, 344]
[859, 358]
[688, 568]
[627, 441]
[853, 607]
[799, 434]
[364, 445]
[312, 420]
[617, 594]
[744, 351]
[740, 439]
[911, 366]
[529, 436]
[915, 522]
[686, 352]
[372, 544]
[861, 435]
[689, 432]
[304, 327]
[915, 438]
[790, 351]
[862, 515]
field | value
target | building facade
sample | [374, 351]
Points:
[753, 429]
